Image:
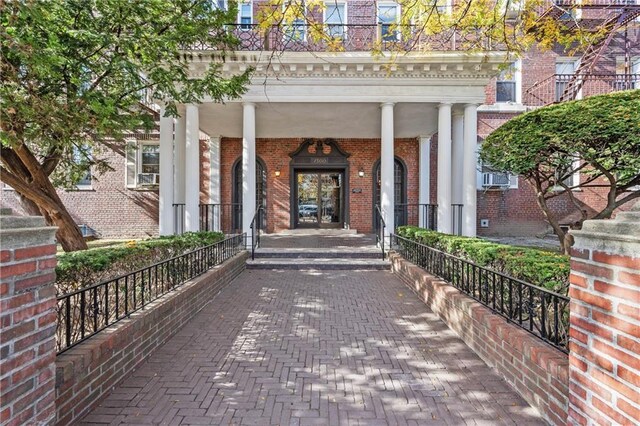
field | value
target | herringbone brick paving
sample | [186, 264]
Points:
[309, 348]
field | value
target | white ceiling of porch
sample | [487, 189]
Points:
[336, 120]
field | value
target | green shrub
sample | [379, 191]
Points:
[83, 268]
[539, 267]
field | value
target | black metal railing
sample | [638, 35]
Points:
[256, 229]
[226, 218]
[379, 229]
[456, 219]
[85, 312]
[541, 312]
[352, 38]
[550, 89]
[178, 219]
[423, 215]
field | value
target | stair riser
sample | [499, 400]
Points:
[314, 255]
[327, 267]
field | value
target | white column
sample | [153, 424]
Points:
[424, 190]
[214, 180]
[192, 170]
[180, 145]
[469, 166]
[456, 157]
[444, 168]
[165, 196]
[387, 199]
[248, 167]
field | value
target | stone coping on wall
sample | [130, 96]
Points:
[87, 372]
[535, 370]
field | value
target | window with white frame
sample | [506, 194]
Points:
[388, 17]
[569, 175]
[506, 85]
[245, 15]
[82, 156]
[565, 69]
[295, 28]
[335, 18]
[143, 164]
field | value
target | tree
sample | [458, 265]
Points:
[598, 137]
[75, 75]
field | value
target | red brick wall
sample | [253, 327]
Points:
[27, 326]
[87, 372]
[535, 370]
[605, 337]
[109, 207]
[275, 154]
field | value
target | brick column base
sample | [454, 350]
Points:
[604, 372]
[27, 321]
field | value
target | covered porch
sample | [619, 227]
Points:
[376, 113]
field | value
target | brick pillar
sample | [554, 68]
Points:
[27, 321]
[604, 375]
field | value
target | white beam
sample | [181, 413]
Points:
[387, 198]
[214, 181]
[248, 166]
[165, 196]
[457, 142]
[192, 170]
[444, 168]
[424, 184]
[469, 165]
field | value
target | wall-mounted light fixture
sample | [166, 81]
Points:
[361, 173]
[277, 173]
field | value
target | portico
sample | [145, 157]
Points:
[392, 113]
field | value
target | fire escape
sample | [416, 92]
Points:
[605, 16]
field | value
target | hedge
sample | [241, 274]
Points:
[83, 268]
[539, 267]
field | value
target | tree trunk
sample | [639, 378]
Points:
[31, 182]
[28, 206]
[565, 243]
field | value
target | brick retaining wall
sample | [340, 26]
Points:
[537, 371]
[87, 372]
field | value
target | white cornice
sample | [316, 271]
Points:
[475, 68]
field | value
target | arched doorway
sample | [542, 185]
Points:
[399, 190]
[261, 191]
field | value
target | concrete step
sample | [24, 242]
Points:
[316, 253]
[319, 264]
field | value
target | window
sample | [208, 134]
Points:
[294, 19]
[245, 15]
[399, 191]
[564, 73]
[219, 4]
[334, 19]
[506, 85]
[388, 16]
[261, 191]
[81, 156]
[143, 164]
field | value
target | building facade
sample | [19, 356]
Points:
[340, 139]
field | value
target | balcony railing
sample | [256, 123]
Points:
[352, 38]
[550, 90]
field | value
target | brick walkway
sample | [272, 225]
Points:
[302, 347]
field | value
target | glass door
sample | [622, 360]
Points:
[319, 199]
[308, 191]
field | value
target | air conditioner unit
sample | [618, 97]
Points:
[145, 179]
[495, 179]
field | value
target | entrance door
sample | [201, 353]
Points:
[319, 199]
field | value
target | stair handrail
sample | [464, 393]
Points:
[256, 227]
[380, 225]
